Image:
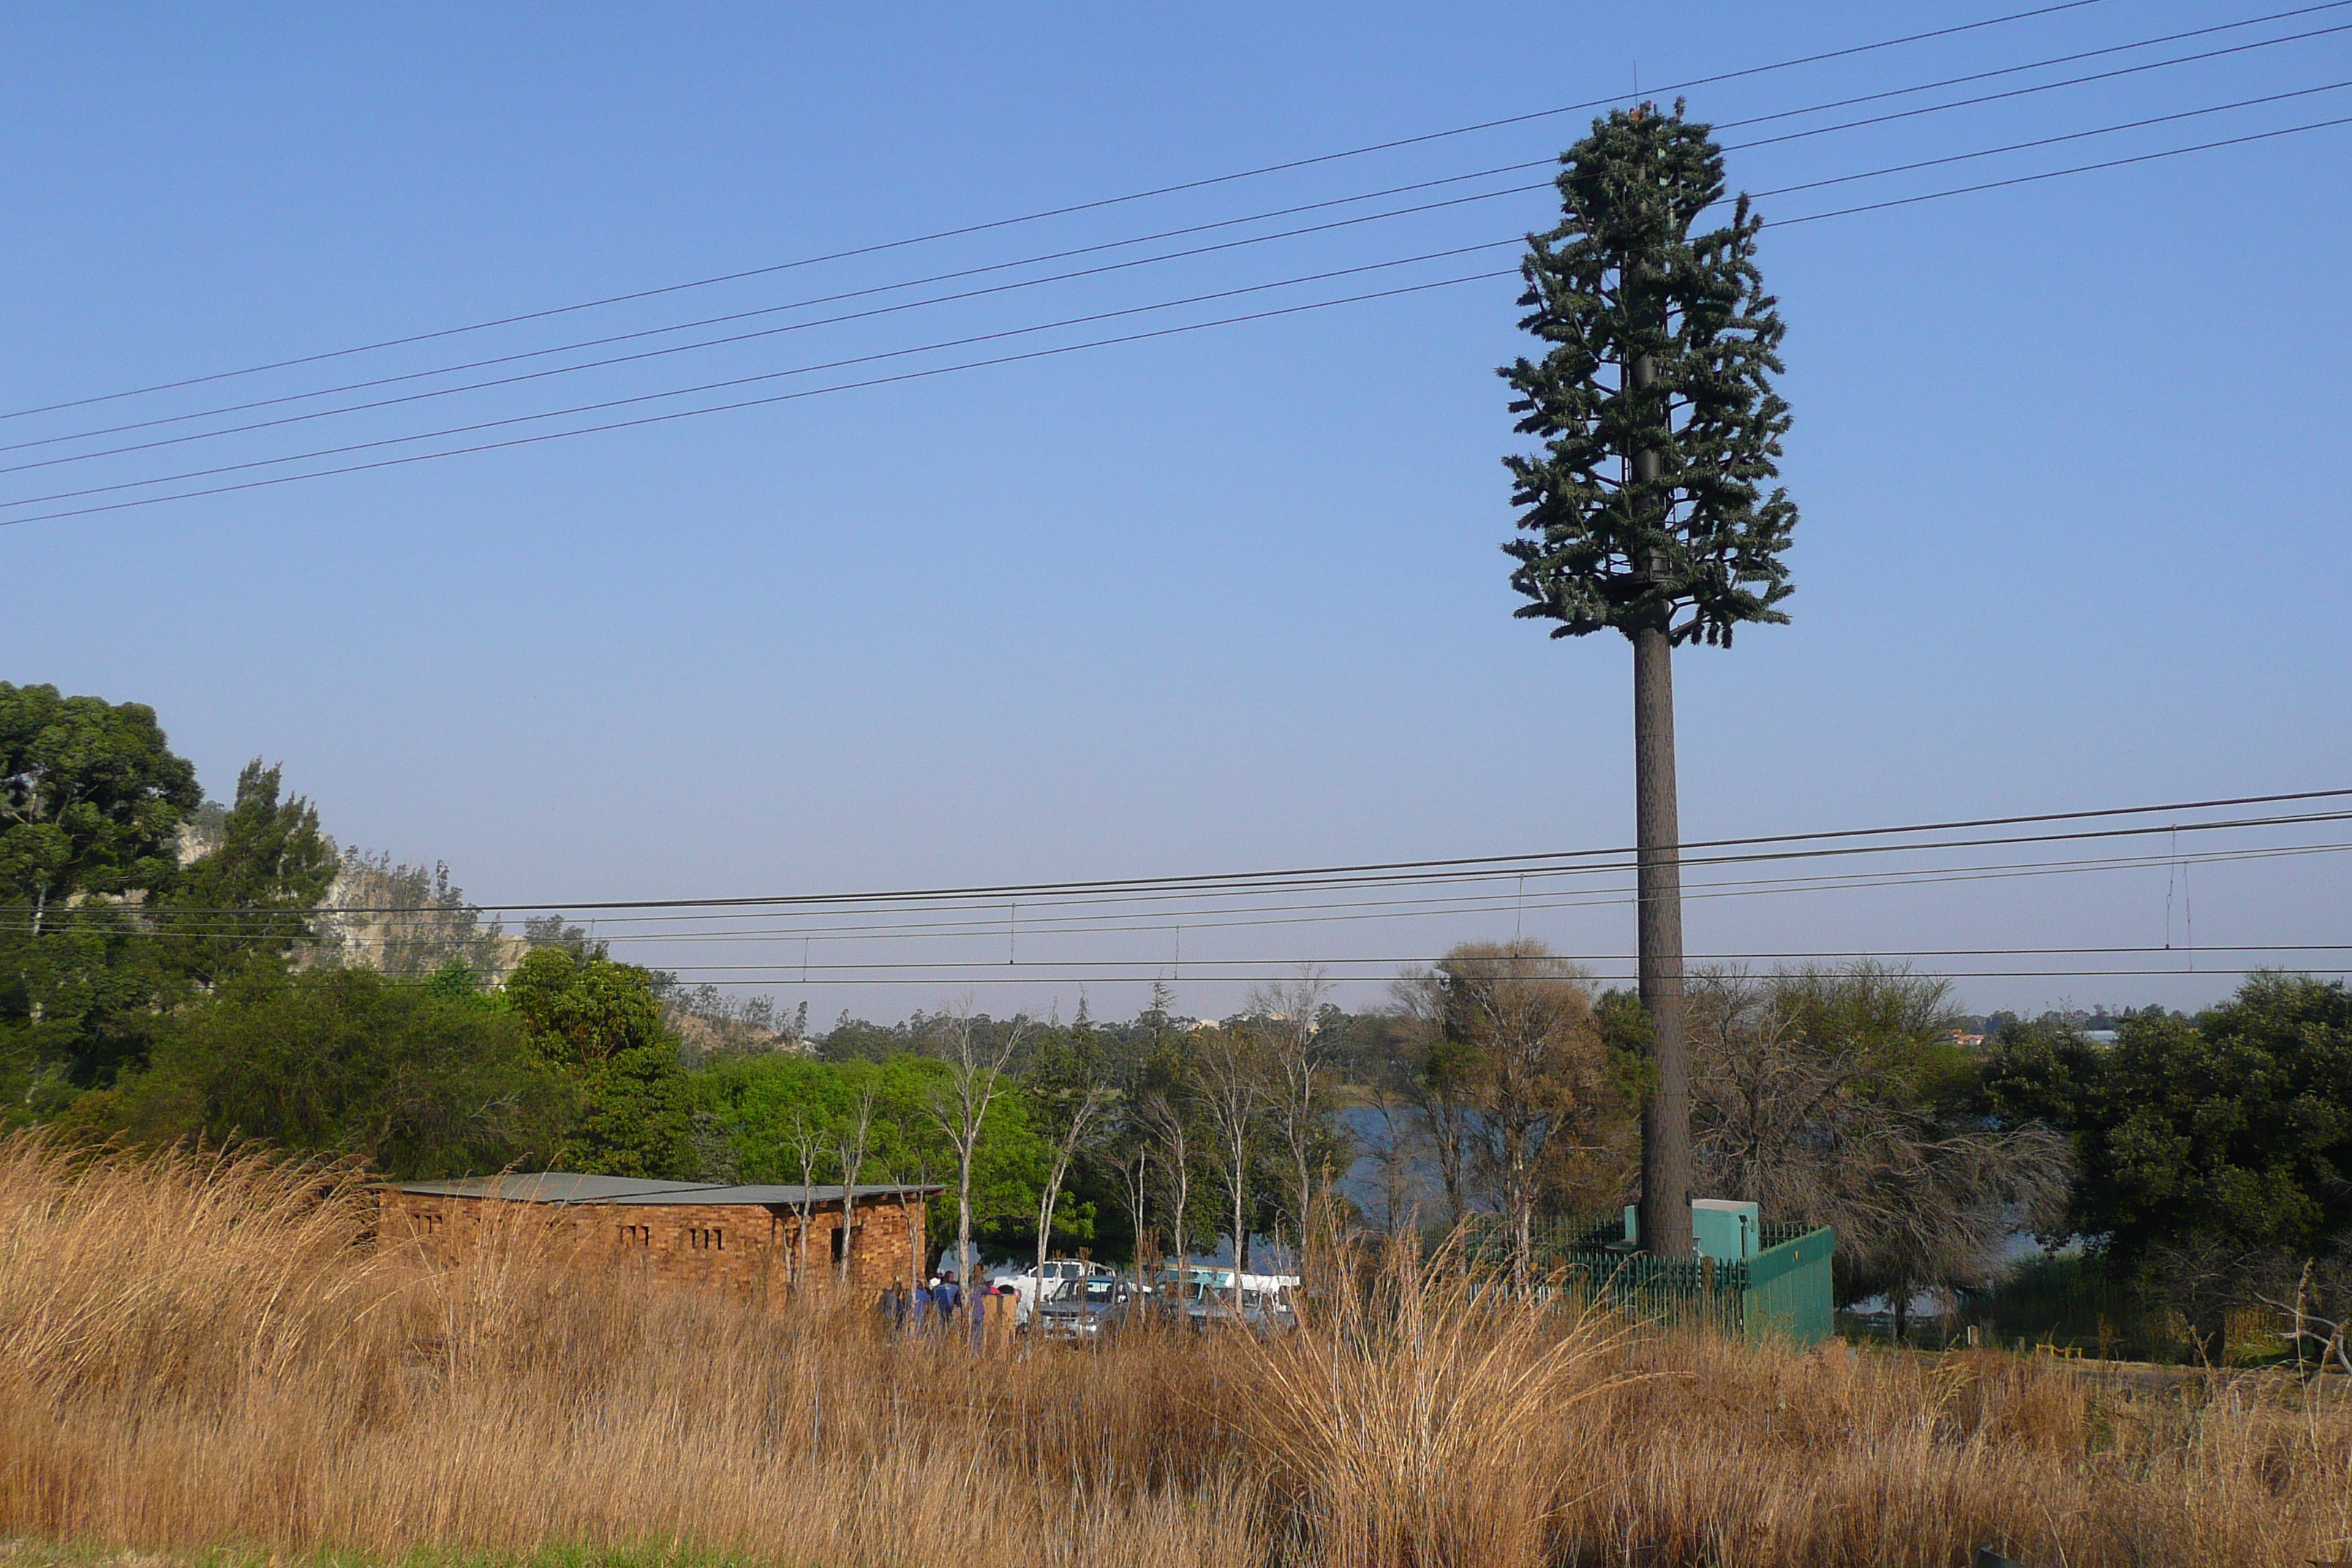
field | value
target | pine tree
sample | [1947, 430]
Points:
[1644, 513]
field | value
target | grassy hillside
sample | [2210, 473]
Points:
[202, 1357]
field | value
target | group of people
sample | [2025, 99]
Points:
[937, 1305]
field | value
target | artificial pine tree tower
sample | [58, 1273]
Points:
[1644, 513]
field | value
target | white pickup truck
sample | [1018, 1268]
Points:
[1059, 1272]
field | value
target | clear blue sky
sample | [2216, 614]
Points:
[2070, 455]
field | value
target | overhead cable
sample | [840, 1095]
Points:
[1066, 254]
[1323, 874]
[2060, 173]
[1152, 193]
[1147, 975]
[1016, 286]
[998, 360]
[167, 922]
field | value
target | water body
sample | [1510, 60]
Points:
[1369, 1130]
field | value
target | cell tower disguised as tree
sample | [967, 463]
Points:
[1645, 512]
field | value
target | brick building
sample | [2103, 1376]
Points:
[740, 1239]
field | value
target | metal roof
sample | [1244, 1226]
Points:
[770, 1195]
[552, 1188]
[572, 1187]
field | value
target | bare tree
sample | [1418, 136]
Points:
[1084, 1105]
[1231, 1077]
[805, 1143]
[1158, 1110]
[1165, 1113]
[2306, 1330]
[1813, 1099]
[1447, 1117]
[435, 924]
[975, 1078]
[918, 1266]
[851, 1148]
[1298, 1083]
[1517, 1044]
[1135, 1192]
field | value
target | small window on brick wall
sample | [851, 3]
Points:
[428, 1223]
[707, 1240]
[637, 1235]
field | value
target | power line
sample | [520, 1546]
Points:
[2042, 64]
[2047, 141]
[763, 376]
[969, 294]
[1159, 915]
[1158, 911]
[1323, 874]
[2059, 173]
[1050, 213]
[1166, 924]
[1146, 977]
[166, 921]
[1472, 905]
[1197, 918]
[813, 300]
[2037, 87]
[778, 331]
[757, 401]
[990, 362]
[230, 921]
[1072, 964]
[1204, 227]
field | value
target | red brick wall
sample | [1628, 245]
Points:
[747, 1249]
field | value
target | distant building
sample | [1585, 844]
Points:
[742, 1240]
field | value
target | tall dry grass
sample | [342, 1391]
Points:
[198, 1351]
[1427, 1416]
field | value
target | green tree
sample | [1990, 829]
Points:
[91, 799]
[767, 1102]
[599, 1023]
[79, 1003]
[1646, 513]
[249, 899]
[345, 1062]
[2215, 1154]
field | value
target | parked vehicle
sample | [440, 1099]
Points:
[1206, 1298]
[1087, 1308]
[1260, 1310]
[1059, 1272]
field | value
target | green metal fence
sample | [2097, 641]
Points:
[1784, 1291]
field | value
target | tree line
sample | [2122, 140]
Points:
[157, 985]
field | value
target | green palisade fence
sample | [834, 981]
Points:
[1784, 1291]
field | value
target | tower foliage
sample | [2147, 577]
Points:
[1624, 293]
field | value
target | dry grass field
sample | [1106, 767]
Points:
[202, 1366]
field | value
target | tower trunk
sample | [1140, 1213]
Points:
[1666, 1118]
[1657, 835]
